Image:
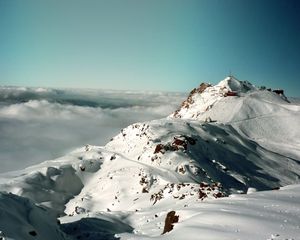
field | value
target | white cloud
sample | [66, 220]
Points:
[37, 125]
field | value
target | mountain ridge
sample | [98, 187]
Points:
[217, 145]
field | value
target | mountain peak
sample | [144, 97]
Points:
[214, 101]
[233, 84]
[169, 168]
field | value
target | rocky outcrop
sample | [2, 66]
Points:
[170, 220]
[189, 100]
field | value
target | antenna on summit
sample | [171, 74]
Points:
[230, 74]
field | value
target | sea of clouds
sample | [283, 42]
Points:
[38, 124]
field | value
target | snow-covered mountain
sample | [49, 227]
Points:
[261, 115]
[223, 142]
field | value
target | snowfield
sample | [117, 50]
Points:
[225, 165]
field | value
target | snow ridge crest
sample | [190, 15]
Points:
[229, 92]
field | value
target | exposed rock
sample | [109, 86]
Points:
[169, 221]
[230, 94]
[278, 91]
[32, 233]
[158, 148]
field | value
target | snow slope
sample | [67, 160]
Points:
[21, 219]
[225, 140]
[263, 116]
[270, 215]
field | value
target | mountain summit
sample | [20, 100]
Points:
[230, 93]
[231, 138]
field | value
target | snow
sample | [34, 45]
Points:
[232, 84]
[263, 116]
[262, 215]
[235, 177]
[22, 219]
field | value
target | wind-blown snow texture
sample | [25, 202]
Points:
[220, 162]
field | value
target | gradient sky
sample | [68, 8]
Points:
[169, 45]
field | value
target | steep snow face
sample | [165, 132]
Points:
[21, 219]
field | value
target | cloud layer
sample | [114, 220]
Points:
[38, 124]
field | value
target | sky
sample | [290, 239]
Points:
[166, 45]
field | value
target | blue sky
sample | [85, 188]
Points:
[170, 45]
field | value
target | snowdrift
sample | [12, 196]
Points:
[20, 218]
